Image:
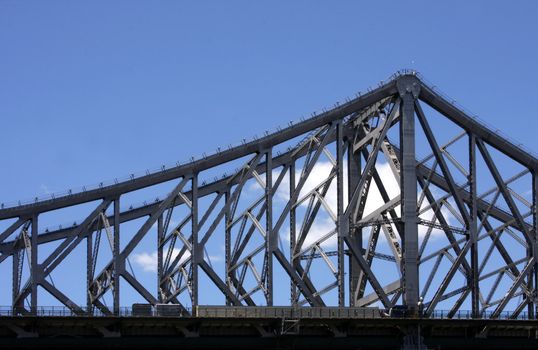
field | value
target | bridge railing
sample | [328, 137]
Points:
[61, 311]
[467, 315]
[248, 312]
[287, 312]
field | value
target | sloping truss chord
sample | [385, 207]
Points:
[395, 197]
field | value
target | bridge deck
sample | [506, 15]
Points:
[240, 332]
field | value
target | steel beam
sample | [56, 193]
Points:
[16, 277]
[473, 229]
[352, 208]
[447, 279]
[340, 211]
[355, 235]
[35, 274]
[504, 191]
[442, 163]
[408, 184]
[534, 305]
[450, 111]
[378, 289]
[294, 262]
[519, 280]
[271, 237]
[119, 259]
[160, 239]
[197, 252]
[12, 228]
[117, 265]
[228, 245]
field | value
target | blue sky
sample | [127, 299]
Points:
[91, 91]
[97, 90]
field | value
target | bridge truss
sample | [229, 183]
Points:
[394, 197]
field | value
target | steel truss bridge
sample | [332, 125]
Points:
[395, 197]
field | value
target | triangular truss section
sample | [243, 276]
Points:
[395, 197]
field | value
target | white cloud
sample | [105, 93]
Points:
[148, 261]
[215, 258]
[324, 224]
[319, 229]
[45, 189]
[321, 171]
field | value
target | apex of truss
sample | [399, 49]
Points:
[408, 82]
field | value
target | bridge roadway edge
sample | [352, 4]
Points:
[261, 333]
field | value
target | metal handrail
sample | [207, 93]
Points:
[254, 311]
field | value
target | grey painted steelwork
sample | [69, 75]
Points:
[409, 89]
[355, 141]
[267, 331]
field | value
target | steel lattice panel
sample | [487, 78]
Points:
[370, 203]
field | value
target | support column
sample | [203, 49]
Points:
[89, 270]
[116, 256]
[354, 175]
[473, 233]
[293, 229]
[197, 250]
[160, 240]
[340, 211]
[36, 274]
[534, 250]
[271, 238]
[227, 243]
[16, 278]
[408, 88]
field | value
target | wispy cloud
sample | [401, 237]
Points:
[147, 261]
[45, 189]
[324, 224]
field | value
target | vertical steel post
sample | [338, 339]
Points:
[15, 276]
[473, 233]
[293, 229]
[89, 268]
[408, 87]
[534, 251]
[197, 250]
[270, 238]
[116, 256]
[340, 211]
[227, 243]
[36, 275]
[354, 175]
[160, 240]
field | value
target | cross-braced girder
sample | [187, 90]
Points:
[395, 197]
